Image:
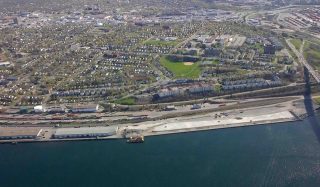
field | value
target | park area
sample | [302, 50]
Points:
[181, 69]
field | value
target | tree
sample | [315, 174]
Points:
[284, 34]
[203, 46]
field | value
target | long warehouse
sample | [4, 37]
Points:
[84, 132]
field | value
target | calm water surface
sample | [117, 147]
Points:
[273, 155]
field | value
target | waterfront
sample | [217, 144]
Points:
[286, 154]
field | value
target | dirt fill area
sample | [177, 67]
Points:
[188, 63]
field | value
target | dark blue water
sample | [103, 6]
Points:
[272, 155]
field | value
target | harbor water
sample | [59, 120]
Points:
[286, 154]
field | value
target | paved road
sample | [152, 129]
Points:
[301, 58]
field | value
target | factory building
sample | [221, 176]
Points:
[84, 132]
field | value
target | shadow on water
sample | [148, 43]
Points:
[312, 119]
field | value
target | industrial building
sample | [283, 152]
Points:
[49, 109]
[209, 52]
[84, 132]
[38, 109]
[269, 49]
[85, 108]
[55, 109]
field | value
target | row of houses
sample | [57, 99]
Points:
[87, 92]
[268, 57]
[245, 86]
[244, 81]
[153, 49]
[251, 84]
[251, 63]
[200, 89]
[6, 80]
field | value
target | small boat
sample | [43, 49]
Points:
[136, 139]
[14, 143]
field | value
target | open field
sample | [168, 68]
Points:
[186, 125]
[216, 62]
[180, 70]
[312, 54]
[297, 43]
[126, 101]
[258, 47]
[316, 100]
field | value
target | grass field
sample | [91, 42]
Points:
[160, 43]
[180, 70]
[257, 46]
[126, 101]
[316, 100]
[312, 54]
[217, 88]
[297, 43]
[216, 61]
[241, 71]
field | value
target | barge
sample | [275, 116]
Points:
[135, 139]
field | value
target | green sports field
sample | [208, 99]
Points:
[180, 70]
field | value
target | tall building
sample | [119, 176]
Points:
[269, 49]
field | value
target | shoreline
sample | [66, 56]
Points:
[169, 132]
[156, 134]
[287, 111]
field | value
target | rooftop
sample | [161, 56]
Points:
[84, 130]
[18, 131]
